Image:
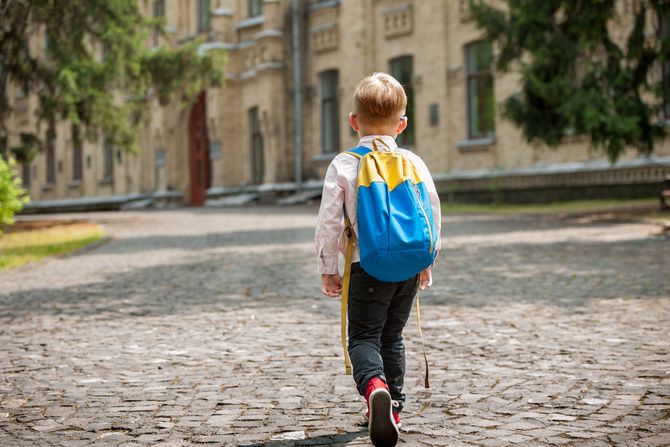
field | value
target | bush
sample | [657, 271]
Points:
[12, 195]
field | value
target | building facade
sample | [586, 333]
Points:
[241, 137]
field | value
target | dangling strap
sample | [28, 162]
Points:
[349, 232]
[426, 383]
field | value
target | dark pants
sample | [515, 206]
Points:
[377, 314]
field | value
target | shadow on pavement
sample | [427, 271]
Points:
[321, 440]
[566, 274]
[210, 240]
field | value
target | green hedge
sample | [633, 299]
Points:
[12, 195]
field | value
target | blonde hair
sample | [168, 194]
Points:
[379, 99]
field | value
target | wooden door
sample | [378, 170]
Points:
[200, 169]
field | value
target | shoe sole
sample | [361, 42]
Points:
[382, 428]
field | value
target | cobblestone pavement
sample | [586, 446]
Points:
[208, 327]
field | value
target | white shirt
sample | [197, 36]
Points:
[339, 189]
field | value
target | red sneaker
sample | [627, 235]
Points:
[396, 418]
[382, 426]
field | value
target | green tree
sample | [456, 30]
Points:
[12, 195]
[97, 70]
[579, 74]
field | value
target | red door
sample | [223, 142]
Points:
[201, 175]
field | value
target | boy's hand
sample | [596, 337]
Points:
[425, 279]
[331, 285]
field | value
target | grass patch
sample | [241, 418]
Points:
[648, 207]
[21, 247]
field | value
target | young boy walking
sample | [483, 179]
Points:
[378, 309]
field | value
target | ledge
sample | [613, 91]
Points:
[167, 194]
[324, 27]
[323, 5]
[476, 143]
[74, 184]
[205, 47]
[396, 10]
[254, 21]
[227, 12]
[558, 168]
[259, 68]
[269, 33]
[89, 203]
[187, 37]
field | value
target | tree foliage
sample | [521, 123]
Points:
[12, 195]
[583, 69]
[97, 69]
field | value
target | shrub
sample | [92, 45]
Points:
[12, 195]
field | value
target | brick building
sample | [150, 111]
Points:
[240, 138]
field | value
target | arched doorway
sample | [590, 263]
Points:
[201, 165]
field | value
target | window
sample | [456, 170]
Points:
[159, 13]
[2, 81]
[480, 90]
[664, 27]
[256, 146]
[25, 174]
[330, 112]
[255, 7]
[204, 16]
[402, 69]
[108, 160]
[48, 44]
[51, 158]
[3, 148]
[77, 154]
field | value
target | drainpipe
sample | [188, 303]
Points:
[297, 93]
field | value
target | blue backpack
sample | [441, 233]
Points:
[396, 232]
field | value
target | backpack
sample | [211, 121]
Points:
[396, 232]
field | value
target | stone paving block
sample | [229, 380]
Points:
[207, 327]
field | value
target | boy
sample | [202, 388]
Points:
[377, 310]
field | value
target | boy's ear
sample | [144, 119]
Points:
[402, 125]
[353, 122]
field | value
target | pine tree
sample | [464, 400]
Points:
[583, 71]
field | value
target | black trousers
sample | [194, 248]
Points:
[377, 313]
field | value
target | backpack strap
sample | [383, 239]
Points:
[374, 144]
[346, 279]
[359, 152]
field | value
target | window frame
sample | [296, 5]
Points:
[50, 159]
[25, 174]
[77, 155]
[664, 32]
[4, 149]
[158, 11]
[256, 146]
[329, 83]
[204, 16]
[485, 84]
[398, 69]
[254, 8]
[107, 160]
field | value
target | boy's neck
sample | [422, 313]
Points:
[377, 133]
[361, 136]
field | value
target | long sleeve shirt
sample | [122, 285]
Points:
[339, 191]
